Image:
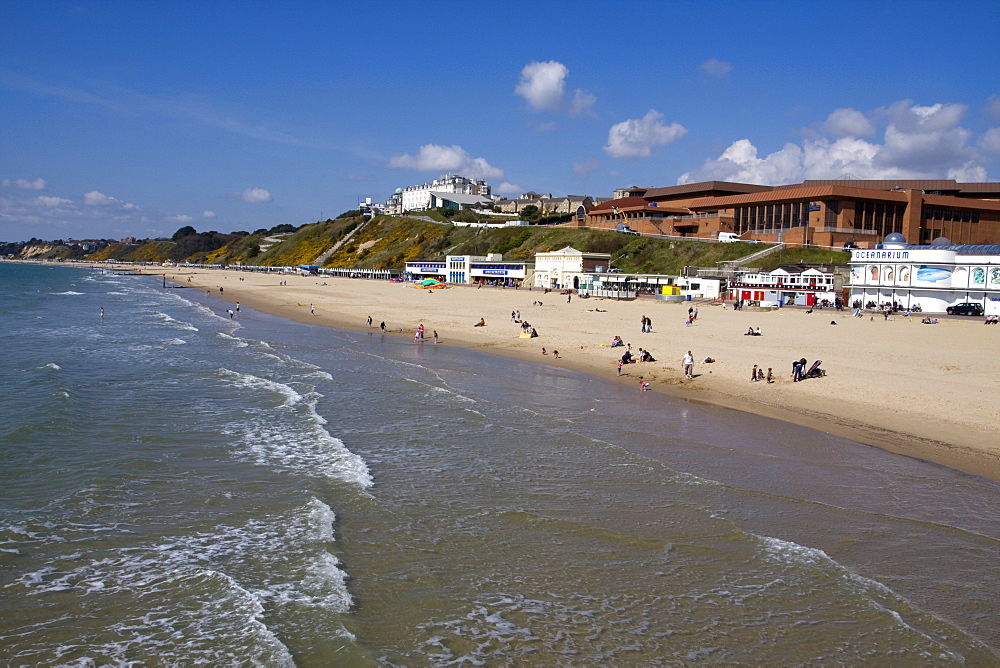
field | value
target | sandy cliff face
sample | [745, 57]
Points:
[34, 252]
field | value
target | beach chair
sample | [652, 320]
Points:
[814, 371]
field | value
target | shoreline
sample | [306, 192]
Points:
[864, 376]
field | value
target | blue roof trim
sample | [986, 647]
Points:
[962, 249]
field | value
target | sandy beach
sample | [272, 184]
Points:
[925, 391]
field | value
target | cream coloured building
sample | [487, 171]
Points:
[565, 268]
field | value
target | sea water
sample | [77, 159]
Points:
[183, 487]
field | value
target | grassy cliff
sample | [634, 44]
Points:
[387, 242]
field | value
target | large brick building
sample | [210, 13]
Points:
[826, 213]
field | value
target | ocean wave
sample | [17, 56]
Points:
[51, 365]
[225, 587]
[247, 380]
[67, 292]
[889, 612]
[293, 436]
[301, 444]
[174, 323]
[240, 343]
[175, 342]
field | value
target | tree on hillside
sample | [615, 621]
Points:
[185, 231]
[530, 212]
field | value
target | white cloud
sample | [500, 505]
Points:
[925, 140]
[509, 188]
[25, 184]
[95, 198]
[919, 142]
[582, 102]
[993, 106]
[990, 141]
[543, 85]
[970, 172]
[636, 137]
[180, 218]
[208, 214]
[436, 158]
[255, 195]
[716, 68]
[847, 123]
[54, 202]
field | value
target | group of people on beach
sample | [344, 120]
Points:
[692, 316]
[757, 374]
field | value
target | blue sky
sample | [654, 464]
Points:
[137, 118]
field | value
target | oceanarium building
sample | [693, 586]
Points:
[931, 277]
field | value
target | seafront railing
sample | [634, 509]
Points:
[608, 294]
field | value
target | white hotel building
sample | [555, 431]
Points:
[932, 277]
[418, 197]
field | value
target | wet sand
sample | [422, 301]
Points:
[925, 391]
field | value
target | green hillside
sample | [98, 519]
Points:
[387, 242]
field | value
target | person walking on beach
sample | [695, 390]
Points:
[619, 367]
[382, 326]
[753, 374]
[237, 307]
[312, 309]
[688, 365]
[435, 337]
[369, 322]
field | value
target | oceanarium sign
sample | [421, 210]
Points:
[891, 255]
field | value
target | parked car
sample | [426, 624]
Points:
[625, 229]
[965, 308]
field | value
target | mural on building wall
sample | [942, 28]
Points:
[903, 275]
[888, 274]
[960, 278]
[927, 274]
[874, 274]
[856, 275]
[978, 276]
[995, 276]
